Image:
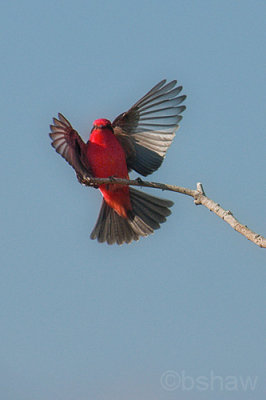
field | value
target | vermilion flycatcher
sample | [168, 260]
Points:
[137, 139]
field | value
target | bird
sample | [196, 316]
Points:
[137, 139]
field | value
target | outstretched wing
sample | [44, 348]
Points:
[147, 129]
[69, 145]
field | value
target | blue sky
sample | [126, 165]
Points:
[80, 320]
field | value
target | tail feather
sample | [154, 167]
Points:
[112, 228]
[147, 213]
[160, 206]
[97, 231]
[140, 227]
[141, 215]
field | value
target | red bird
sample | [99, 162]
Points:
[137, 139]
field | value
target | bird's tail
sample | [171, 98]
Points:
[147, 213]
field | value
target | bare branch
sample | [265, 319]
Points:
[199, 198]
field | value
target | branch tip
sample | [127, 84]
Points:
[200, 188]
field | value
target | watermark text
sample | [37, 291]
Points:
[172, 380]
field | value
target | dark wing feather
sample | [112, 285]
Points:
[147, 129]
[69, 145]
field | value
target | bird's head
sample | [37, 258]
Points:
[102, 123]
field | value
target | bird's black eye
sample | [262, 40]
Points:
[108, 126]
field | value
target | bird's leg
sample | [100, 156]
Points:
[112, 179]
[83, 179]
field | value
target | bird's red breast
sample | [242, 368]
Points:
[107, 158]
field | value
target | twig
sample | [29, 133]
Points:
[199, 198]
